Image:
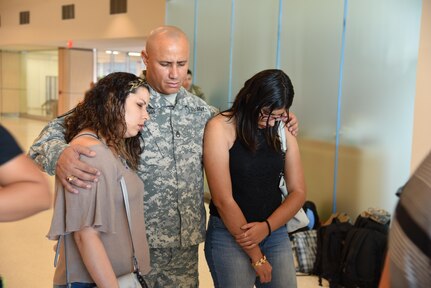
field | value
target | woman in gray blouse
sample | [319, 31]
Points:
[97, 239]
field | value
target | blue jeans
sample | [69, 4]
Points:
[230, 266]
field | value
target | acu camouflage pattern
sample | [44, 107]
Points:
[172, 169]
[196, 90]
[48, 146]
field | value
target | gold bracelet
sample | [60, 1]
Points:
[260, 262]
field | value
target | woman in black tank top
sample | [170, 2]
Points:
[247, 242]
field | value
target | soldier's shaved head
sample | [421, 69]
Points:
[166, 56]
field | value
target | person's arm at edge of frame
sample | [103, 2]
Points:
[385, 277]
[24, 189]
[216, 163]
[51, 152]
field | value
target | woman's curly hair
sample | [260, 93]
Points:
[102, 110]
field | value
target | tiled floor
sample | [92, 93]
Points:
[26, 256]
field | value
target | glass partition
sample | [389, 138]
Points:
[114, 61]
[40, 84]
[310, 54]
[379, 84]
[373, 79]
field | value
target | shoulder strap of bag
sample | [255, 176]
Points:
[129, 220]
[282, 135]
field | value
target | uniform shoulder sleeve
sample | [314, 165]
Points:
[48, 146]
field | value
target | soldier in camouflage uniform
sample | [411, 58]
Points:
[171, 165]
[192, 88]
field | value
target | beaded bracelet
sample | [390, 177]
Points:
[269, 227]
[260, 262]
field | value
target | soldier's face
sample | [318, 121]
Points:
[167, 64]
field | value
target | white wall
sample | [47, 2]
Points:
[92, 21]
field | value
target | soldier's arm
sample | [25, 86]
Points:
[293, 124]
[48, 146]
[51, 152]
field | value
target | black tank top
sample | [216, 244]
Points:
[255, 179]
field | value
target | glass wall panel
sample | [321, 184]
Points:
[209, 43]
[376, 91]
[41, 84]
[104, 65]
[254, 39]
[378, 100]
[213, 51]
[135, 65]
[310, 55]
[120, 62]
[116, 61]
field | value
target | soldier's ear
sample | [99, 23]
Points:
[144, 57]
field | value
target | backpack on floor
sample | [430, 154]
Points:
[364, 253]
[330, 244]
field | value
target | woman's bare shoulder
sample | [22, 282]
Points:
[221, 128]
[222, 123]
[86, 140]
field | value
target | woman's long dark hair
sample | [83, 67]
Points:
[102, 110]
[268, 90]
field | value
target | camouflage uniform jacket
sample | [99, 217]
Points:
[172, 170]
[171, 167]
[196, 90]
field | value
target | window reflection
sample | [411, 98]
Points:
[115, 61]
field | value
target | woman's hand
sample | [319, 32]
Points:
[264, 272]
[253, 233]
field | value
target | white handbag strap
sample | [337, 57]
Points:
[129, 220]
[283, 145]
[282, 135]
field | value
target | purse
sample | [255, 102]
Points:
[300, 219]
[131, 280]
